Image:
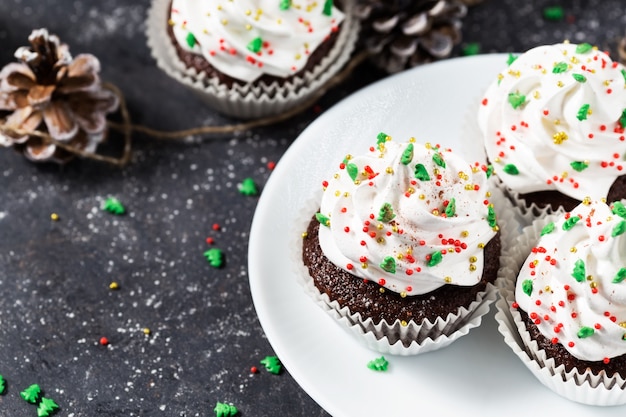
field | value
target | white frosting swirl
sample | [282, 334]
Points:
[571, 284]
[247, 38]
[551, 121]
[383, 222]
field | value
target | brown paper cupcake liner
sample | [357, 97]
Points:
[250, 100]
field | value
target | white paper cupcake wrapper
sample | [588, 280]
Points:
[252, 100]
[582, 387]
[394, 338]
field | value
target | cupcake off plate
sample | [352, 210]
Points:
[477, 375]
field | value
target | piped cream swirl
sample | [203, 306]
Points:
[248, 38]
[411, 217]
[551, 121]
[573, 284]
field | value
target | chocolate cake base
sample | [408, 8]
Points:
[201, 65]
[562, 357]
[365, 297]
[554, 199]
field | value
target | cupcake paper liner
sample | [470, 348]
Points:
[251, 100]
[582, 387]
[394, 338]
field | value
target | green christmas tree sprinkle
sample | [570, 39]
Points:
[191, 40]
[527, 287]
[353, 170]
[407, 155]
[580, 78]
[3, 385]
[31, 394]
[570, 223]
[225, 410]
[511, 59]
[381, 138]
[619, 229]
[421, 173]
[438, 159]
[324, 221]
[378, 364]
[559, 67]
[553, 13]
[435, 258]
[619, 276]
[579, 270]
[619, 209]
[388, 264]
[328, 8]
[622, 119]
[272, 364]
[491, 216]
[386, 214]
[511, 169]
[284, 4]
[583, 112]
[583, 48]
[46, 407]
[248, 187]
[548, 228]
[215, 257]
[113, 206]
[451, 208]
[472, 48]
[624, 75]
[585, 332]
[255, 45]
[579, 165]
[516, 100]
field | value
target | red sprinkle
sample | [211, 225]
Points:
[209, 240]
[216, 226]
[104, 341]
[271, 165]
[254, 370]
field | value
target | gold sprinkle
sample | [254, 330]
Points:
[400, 256]
[404, 323]
[394, 228]
[536, 95]
[411, 190]
[547, 289]
[574, 60]
[422, 196]
[336, 176]
[219, 7]
[497, 160]
[279, 21]
[54, 217]
[364, 265]
[573, 250]
[427, 145]
[564, 174]
[559, 137]
[436, 171]
[450, 250]
[543, 71]
[475, 170]
[412, 139]
[590, 278]
[593, 284]
[607, 83]
[248, 26]
[447, 280]
[472, 267]
[488, 194]
[465, 233]
[380, 226]
[436, 212]
[403, 294]
[146, 331]
[481, 245]
[381, 290]
[535, 262]
[560, 84]
[469, 187]
[171, 22]
[337, 193]
[622, 324]
[304, 235]
[500, 77]
[114, 286]
[496, 228]
[473, 259]
[224, 22]
[380, 240]
[248, 12]
[298, 56]
[514, 73]
[357, 182]
[346, 194]
[389, 170]
[348, 157]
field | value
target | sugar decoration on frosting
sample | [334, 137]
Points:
[381, 225]
[249, 32]
[555, 312]
[580, 64]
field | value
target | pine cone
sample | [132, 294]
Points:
[404, 33]
[50, 92]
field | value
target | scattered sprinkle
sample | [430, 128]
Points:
[54, 217]
[3, 385]
[272, 364]
[113, 206]
[579, 270]
[472, 48]
[378, 364]
[553, 13]
[248, 187]
[225, 410]
[527, 287]
[516, 100]
[114, 286]
[46, 407]
[215, 257]
[104, 341]
[31, 394]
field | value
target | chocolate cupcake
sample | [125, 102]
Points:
[567, 306]
[553, 127]
[405, 246]
[252, 58]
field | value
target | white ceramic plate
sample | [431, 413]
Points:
[478, 375]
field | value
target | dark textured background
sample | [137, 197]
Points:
[55, 301]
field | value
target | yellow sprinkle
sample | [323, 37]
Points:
[380, 226]
[607, 83]
[547, 289]
[364, 265]
[114, 286]
[574, 60]
[474, 170]
[346, 194]
[481, 245]
[557, 122]
[573, 250]
[400, 256]
[472, 267]
[559, 137]
[411, 190]
[298, 56]
[279, 21]
[515, 73]
[171, 22]
[422, 196]
[403, 294]
[404, 323]
[622, 324]
[248, 12]
[488, 194]
[497, 160]
[357, 182]
[465, 233]
[436, 171]
[564, 174]
[496, 228]
[427, 145]
[412, 139]
[473, 259]
[436, 212]
[248, 27]
[337, 193]
[543, 71]
[536, 95]
[54, 217]
[348, 157]
[146, 331]
[447, 280]
[500, 77]
[469, 187]
[560, 84]
[304, 235]
[219, 7]
[389, 170]
[593, 284]
[535, 262]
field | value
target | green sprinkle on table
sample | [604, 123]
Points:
[379, 364]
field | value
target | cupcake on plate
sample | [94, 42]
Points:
[405, 247]
[565, 315]
[252, 58]
[553, 127]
